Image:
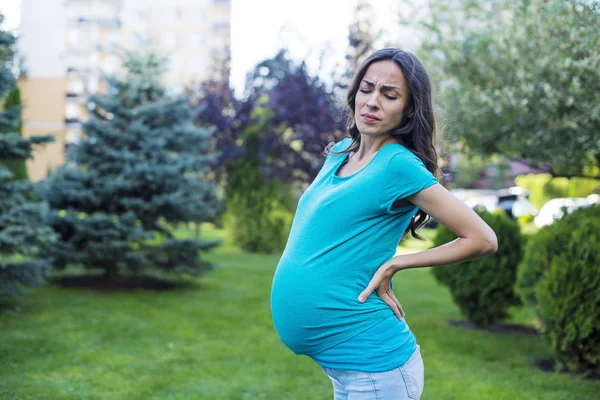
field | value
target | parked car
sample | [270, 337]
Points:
[554, 209]
[514, 201]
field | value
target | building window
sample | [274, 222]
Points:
[199, 15]
[75, 87]
[110, 64]
[74, 36]
[106, 12]
[92, 84]
[73, 137]
[77, 61]
[112, 40]
[141, 15]
[73, 111]
[74, 12]
[175, 14]
[198, 40]
[171, 39]
[221, 27]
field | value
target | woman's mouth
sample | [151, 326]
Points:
[369, 118]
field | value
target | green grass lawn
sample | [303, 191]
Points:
[215, 340]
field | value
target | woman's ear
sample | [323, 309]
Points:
[410, 111]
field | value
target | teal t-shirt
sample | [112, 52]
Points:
[343, 230]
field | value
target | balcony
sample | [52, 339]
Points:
[72, 123]
[103, 22]
[80, 72]
[84, 2]
[80, 98]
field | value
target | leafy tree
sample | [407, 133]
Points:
[298, 115]
[271, 144]
[543, 187]
[521, 78]
[361, 43]
[22, 230]
[142, 169]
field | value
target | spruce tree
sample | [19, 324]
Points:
[141, 170]
[17, 167]
[22, 230]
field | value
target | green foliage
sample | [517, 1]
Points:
[548, 243]
[259, 208]
[568, 293]
[483, 288]
[543, 187]
[362, 37]
[23, 233]
[259, 216]
[17, 167]
[142, 168]
[520, 78]
[212, 342]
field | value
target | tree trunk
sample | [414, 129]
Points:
[111, 273]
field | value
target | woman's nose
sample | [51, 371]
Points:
[373, 101]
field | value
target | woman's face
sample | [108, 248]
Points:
[381, 99]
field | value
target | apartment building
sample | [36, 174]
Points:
[194, 33]
[70, 46]
[41, 43]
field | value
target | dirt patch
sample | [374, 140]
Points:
[548, 365]
[127, 282]
[498, 328]
[545, 365]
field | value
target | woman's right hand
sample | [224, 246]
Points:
[381, 283]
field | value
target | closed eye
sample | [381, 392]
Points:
[386, 95]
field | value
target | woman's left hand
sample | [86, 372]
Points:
[381, 283]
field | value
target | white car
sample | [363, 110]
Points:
[554, 209]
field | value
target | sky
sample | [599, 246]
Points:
[259, 28]
[12, 13]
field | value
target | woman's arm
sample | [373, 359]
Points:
[475, 239]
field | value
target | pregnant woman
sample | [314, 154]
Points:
[331, 296]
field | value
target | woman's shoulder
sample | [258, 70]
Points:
[403, 160]
[402, 154]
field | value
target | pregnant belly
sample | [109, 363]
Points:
[312, 314]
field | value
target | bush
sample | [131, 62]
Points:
[569, 299]
[559, 279]
[548, 243]
[483, 288]
[259, 212]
